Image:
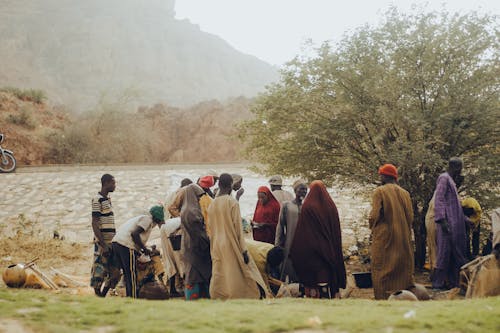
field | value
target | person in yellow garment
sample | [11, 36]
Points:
[234, 273]
[472, 210]
[268, 259]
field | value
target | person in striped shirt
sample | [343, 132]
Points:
[105, 269]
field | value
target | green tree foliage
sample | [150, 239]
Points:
[413, 91]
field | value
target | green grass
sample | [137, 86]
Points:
[44, 311]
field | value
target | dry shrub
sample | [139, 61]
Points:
[22, 118]
[28, 95]
[113, 134]
[26, 241]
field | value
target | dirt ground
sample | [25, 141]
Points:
[75, 259]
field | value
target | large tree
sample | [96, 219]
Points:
[414, 91]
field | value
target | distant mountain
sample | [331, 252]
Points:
[79, 50]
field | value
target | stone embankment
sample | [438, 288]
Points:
[48, 199]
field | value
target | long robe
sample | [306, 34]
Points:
[172, 259]
[316, 249]
[283, 196]
[451, 247]
[266, 217]
[495, 226]
[195, 243]
[430, 227]
[390, 220]
[285, 231]
[231, 277]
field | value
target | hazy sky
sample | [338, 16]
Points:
[275, 30]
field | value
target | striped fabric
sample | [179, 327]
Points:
[102, 209]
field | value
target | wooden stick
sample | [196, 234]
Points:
[44, 277]
[68, 279]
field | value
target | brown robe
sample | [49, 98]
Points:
[316, 249]
[195, 243]
[390, 220]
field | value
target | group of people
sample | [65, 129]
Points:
[296, 238]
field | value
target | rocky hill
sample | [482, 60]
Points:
[78, 51]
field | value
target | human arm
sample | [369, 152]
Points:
[98, 235]
[280, 238]
[96, 227]
[440, 203]
[408, 209]
[238, 227]
[136, 237]
[175, 208]
[144, 223]
[239, 193]
[377, 209]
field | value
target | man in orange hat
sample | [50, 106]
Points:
[390, 220]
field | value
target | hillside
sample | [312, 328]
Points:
[39, 133]
[78, 51]
[25, 124]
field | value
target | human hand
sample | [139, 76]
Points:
[246, 259]
[105, 250]
[146, 251]
[239, 193]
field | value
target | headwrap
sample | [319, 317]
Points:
[317, 243]
[236, 178]
[298, 182]
[267, 216]
[157, 213]
[388, 170]
[276, 180]
[212, 173]
[472, 203]
[206, 181]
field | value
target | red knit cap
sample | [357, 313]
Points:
[206, 182]
[388, 170]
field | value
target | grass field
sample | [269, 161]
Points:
[42, 311]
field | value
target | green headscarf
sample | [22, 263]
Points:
[157, 213]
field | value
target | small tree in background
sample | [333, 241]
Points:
[413, 91]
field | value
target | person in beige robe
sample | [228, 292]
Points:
[430, 226]
[174, 268]
[390, 220]
[234, 273]
[276, 183]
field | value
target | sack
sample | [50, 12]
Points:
[175, 240]
[153, 290]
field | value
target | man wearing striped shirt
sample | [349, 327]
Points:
[105, 270]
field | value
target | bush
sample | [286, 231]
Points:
[23, 118]
[29, 95]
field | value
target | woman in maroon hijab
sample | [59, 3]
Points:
[265, 218]
[316, 251]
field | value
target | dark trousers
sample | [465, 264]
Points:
[127, 259]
